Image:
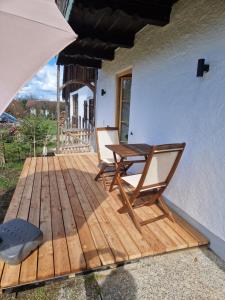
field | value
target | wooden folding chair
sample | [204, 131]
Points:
[157, 173]
[106, 136]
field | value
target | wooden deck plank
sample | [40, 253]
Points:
[11, 273]
[23, 212]
[161, 235]
[15, 202]
[101, 201]
[191, 242]
[164, 229]
[17, 196]
[45, 255]
[152, 237]
[81, 224]
[191, 230]
[28, 271]
[76, 256]
[87, 243]
[156, 246]
[118, 250]
[187, 232]
[127, 242]
[102, 246]
[141, 242]
[159, 238]
[61, 256]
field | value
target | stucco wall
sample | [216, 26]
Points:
[170, 104]
[84, 93]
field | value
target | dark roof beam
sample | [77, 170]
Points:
[110, 39]
[152, 13]
[80, 60]
[89, 51]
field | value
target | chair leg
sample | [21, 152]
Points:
[101, 171]
[104, 181]
[98, 176]
[127, 205]
[165, 208]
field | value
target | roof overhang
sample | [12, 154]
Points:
[104, 25]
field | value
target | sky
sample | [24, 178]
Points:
[43, 84]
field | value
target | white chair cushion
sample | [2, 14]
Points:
[107, 137]
[160, 167]
[133, 180]
[108, 160]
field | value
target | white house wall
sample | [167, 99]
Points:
[84, 93]
[170, 104]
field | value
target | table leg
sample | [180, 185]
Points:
[118, 168]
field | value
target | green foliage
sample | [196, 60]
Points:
[16, 151]
[18, 145]
[24, 102]
[34, 130]
[9, 175]
[5, 135]
[52, 126]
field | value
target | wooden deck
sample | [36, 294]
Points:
[82, 228]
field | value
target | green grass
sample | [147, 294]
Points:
[52, 124]
[9, 175]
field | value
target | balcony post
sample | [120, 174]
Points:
[58, 110]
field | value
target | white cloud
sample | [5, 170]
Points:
[42, 85]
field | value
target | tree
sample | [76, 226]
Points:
[24, 103]
[34, 130]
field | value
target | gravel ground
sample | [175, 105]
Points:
[189, 274]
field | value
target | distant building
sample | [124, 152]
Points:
[44, 108]
[25, 107]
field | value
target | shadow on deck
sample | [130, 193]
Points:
[82, 229]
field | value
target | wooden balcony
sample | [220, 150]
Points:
[82, 229]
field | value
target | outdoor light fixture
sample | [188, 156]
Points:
[103, 92]
[202, 67]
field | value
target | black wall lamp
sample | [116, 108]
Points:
[202, 67]
[103, 92]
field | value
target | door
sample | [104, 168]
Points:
[124, 106]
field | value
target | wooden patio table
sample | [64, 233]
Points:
[124, 151]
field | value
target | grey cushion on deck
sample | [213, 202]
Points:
[18, 239]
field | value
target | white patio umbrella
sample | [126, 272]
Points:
[31, 32]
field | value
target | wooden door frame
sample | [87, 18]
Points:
[75, 104]
[124, 73]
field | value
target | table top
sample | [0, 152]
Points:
[128, 150]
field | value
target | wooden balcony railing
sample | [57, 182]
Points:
[75, 140]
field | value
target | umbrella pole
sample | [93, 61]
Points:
[58, 109]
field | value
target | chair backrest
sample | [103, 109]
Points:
[106, 136]
[161, 165]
